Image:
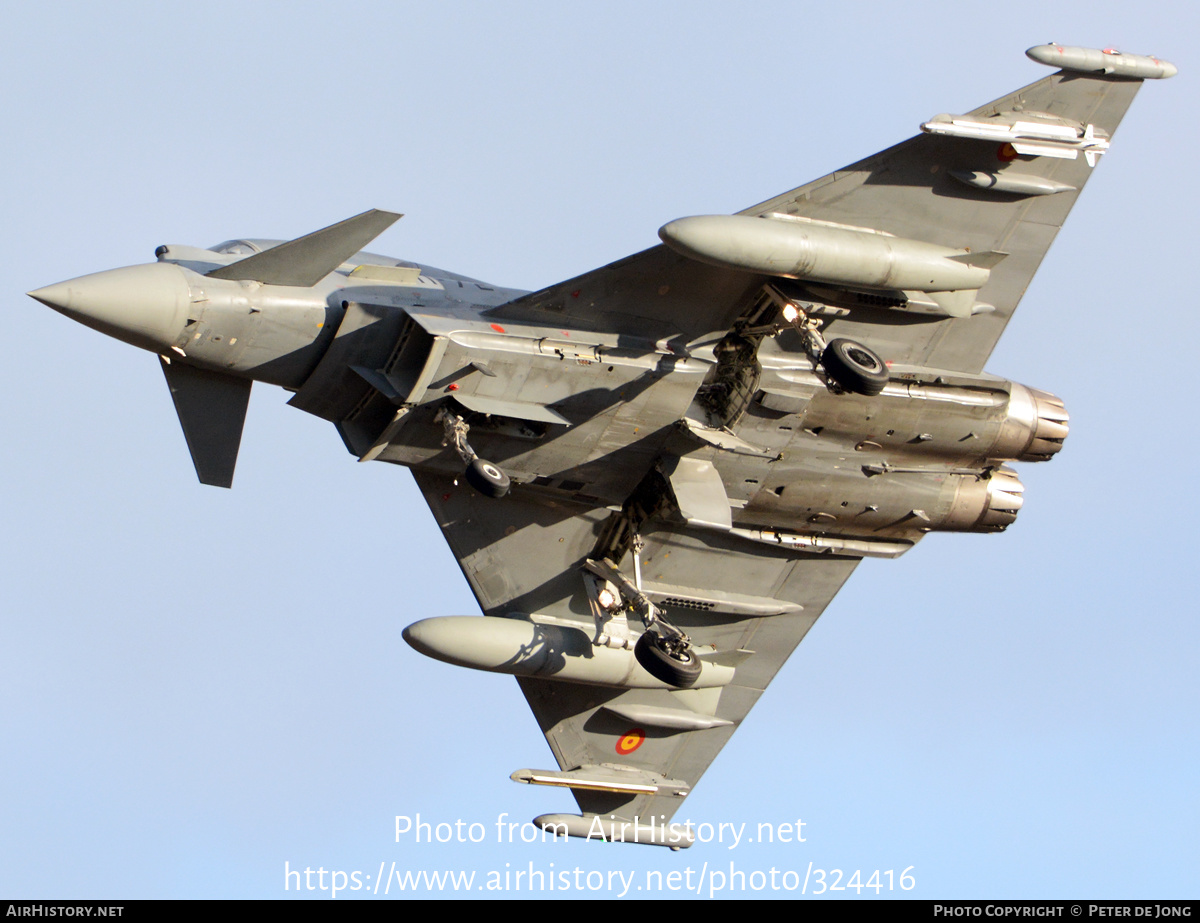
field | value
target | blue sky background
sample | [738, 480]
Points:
[200, 685]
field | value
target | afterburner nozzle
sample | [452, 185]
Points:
[143, 305]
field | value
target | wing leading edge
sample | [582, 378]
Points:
[972, 189]
[950, 190]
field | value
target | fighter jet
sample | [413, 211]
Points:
[656, 476]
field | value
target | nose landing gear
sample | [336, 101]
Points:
[487, 479]
[481, 474]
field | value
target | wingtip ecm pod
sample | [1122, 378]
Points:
[1106, 61]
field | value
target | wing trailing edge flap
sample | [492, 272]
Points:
[212, 411]
[307, 260]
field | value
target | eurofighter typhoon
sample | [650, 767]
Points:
[656, 476]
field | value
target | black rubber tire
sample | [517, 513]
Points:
[854, 367]
[660, 663]
[487, 479]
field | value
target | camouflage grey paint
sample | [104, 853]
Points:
[668, 420]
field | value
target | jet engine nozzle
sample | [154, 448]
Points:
[143, 305]
[1035, 428]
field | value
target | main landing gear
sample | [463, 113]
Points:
[849, 365]
[669, 658]
[663, 650]
[854, 367]
[484, 476]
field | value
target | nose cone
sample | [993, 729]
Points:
[143, 305]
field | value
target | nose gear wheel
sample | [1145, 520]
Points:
[483, 475]
[487, 479]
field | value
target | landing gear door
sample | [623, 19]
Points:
[699, 492]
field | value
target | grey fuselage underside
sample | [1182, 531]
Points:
[583, 415]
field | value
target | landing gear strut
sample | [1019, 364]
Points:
[663, 650]
[484, 476]
[849, 365]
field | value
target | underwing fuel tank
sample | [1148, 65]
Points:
[797, 248]
[525, 648]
